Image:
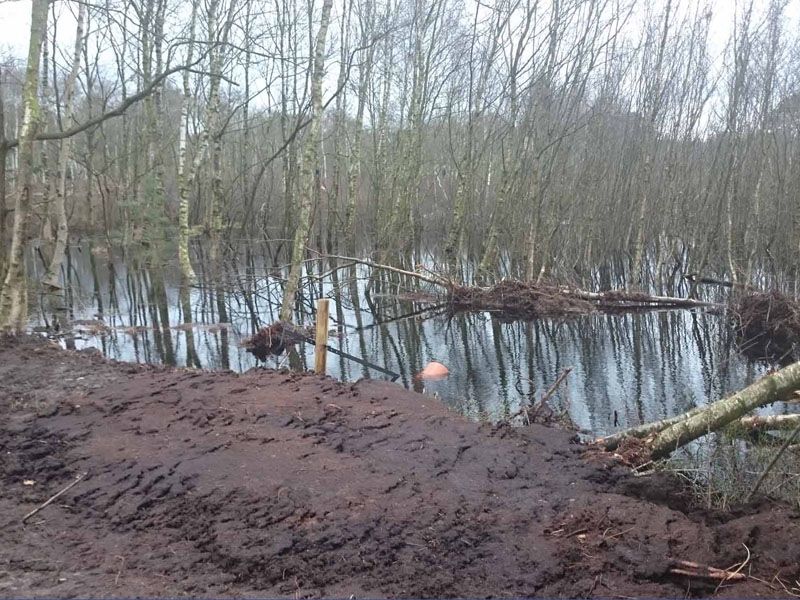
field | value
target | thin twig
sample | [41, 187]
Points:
[54, 497]
[774, 460]
[550, 392]
[436, 280]
[693, 569]
[530, 414]
[738, 569]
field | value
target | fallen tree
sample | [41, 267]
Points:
[760, 423]
[526, 299]
[664, 437]
[770, 422]
[518, 299]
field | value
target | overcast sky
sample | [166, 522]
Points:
[15, 22]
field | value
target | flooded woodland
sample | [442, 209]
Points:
[641, 366]
[400, 298]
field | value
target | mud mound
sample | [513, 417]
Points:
[278, 484]
[768, 326]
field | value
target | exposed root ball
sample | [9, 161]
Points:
[768, 326]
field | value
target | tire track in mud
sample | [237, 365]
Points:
[271, 483]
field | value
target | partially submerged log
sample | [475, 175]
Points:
[516, 298]
[664, 437]
[527, 299]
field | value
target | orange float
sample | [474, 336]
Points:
[433, 371]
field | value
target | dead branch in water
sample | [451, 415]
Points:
[531, 412]
[546, 396]
[435, 279]
[773, 462]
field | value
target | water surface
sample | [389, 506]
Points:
[631, 368]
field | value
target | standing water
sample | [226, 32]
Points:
[626, 369]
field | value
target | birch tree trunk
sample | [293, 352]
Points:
[308, 160]
[771, 388]
[184, 177]
[14, 293]
[62, 232]
[220, 32]
[354, 171]
[3, 156]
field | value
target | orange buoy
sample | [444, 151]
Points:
[434, 370]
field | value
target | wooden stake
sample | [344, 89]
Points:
[321, 342]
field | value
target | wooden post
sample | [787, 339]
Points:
[321, 342]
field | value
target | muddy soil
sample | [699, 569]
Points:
[278, 484]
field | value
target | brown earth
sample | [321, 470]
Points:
[278, 484]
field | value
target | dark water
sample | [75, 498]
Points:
[643, 366]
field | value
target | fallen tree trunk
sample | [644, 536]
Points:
[765, 423]
[612, 442]
[524, 299]
[623, 299]
[777, 386]
[770, 422]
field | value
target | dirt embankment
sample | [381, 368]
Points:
[277, 484]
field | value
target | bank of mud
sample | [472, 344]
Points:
[279, 484]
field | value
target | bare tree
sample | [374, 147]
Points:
[14, 293]
[308, 166]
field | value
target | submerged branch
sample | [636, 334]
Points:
[435, 280]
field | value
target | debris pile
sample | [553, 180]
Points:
[768, 326]
[519, 299]
[274, 339]
[516, 299]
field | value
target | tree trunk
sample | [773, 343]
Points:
[14, 293]
[3, 155]
[62, 232]
[770, 422]
[354, 172]
[184, 178]
[771, 388]
[307, 167]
